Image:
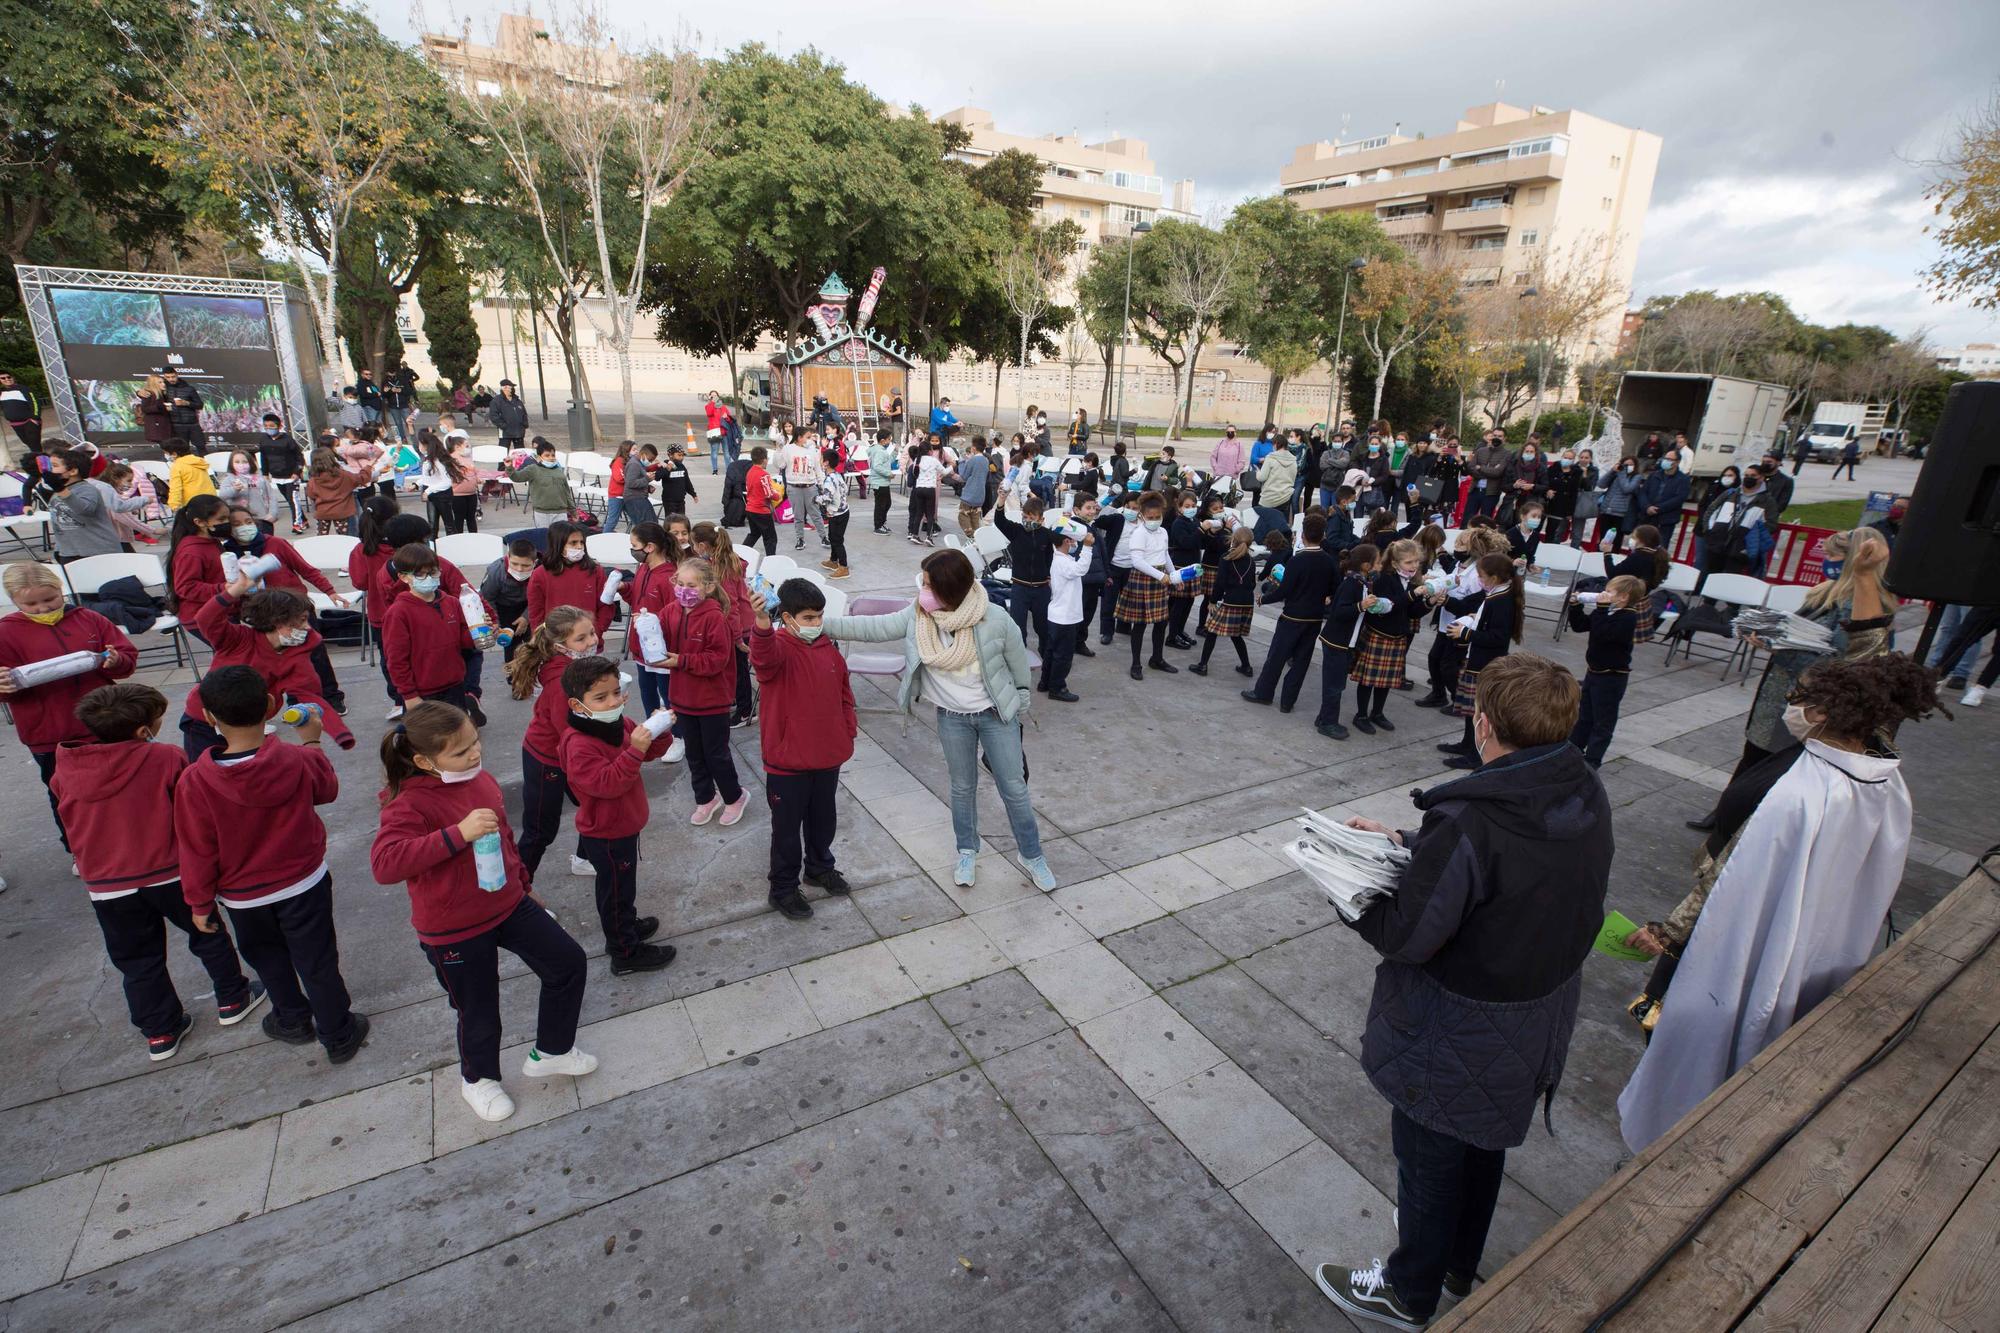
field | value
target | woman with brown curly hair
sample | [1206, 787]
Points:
[1791, 888]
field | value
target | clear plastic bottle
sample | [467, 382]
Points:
[474, 610]
[491, 861]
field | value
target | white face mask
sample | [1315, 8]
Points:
[292, 638]
[606, 714]
[519, 576]
[573, 554]
[1796, 721]
[807, 633]
[468, 775]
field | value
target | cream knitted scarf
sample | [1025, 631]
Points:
[963, 649]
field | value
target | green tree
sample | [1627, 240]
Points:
[1100, 301]
[1966, 199]
[1010, 179]
[445, 292]
[708, 300]
[1275, 313]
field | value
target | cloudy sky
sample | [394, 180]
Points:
[1795, 133]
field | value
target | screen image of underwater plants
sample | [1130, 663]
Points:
[108, 405]
[217, 321]
[109, 319]
[238, 409]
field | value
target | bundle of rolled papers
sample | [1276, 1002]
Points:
[30, 674]
[1353, 867]
[1782, 630]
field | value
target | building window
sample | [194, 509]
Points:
[1083, 213]
[488, 88]
[1605, 204]
[1485, 242]
[1537, 193]
[1531, 238]
[1615, 161]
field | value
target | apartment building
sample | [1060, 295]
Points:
[1507, 185]
[1979, 360]
[1105, 188]
[522, 47]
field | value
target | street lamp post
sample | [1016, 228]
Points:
[1125, 329]
[1354, 266]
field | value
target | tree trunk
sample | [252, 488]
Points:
[999, 368]
[1174, 410]
[1104, 396]
[1541, 388]
[1187, 405]
[1381, 385]
[1271, 398]
[1021, 375]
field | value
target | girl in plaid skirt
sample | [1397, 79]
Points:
[1231, 603]
[1144, 600]
[1183, 549]
[1340, 635]
[1385, 636]
[1487, 636]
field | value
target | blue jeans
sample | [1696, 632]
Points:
[614, 509]
[1968, 661]
[1270, 521]
[652, 690]
[715, 453]
[964, 735]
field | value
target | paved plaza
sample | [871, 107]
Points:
[1135, 1103]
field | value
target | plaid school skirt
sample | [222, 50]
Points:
[1184, 592]
[1378, 663]
[1643, 631]
[1144, 600]
[1467, 689]
[1227, 622]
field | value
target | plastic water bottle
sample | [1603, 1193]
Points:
[232, 565]
[474, 611]
[492, 864]
[1277, 573]
[1542, 576]
[257, 566]
[295, 715]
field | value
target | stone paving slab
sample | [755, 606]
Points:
[350, 1139]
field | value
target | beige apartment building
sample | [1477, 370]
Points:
[1506, 186]
[521, 46]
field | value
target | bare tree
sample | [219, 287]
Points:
[1197, 277]
[626, 128]
[1907, 364]
[1398, 306]
[1029, 272]
[1077, 348]
[293, 108]
[1799, 372]
[1565, 297]
[1708, 334]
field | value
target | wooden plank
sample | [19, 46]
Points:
[1974, 919]
[1958, 1282]
[1903, 1317]
[1582, 1263]
[1719, 1272]
[1855, 1265]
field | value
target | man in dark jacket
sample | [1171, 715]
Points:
[280, 458]
[22, 410]
[1661, 496]
[1773, 468]
[735, 490]
[369, 394]
[510, 415]
[1490, 464]
[183, 408]
[1475, 999]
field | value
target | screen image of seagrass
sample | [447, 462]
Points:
[109, 319]
[108, 405]
[238, 409]
[217, 321]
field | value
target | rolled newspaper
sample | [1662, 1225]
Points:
[611, 582]
[30, 674]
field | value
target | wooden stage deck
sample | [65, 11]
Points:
[1882, 1213]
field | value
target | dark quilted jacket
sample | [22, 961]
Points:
[1483, 944]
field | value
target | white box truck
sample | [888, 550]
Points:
[1727, 421]
[1835, 424]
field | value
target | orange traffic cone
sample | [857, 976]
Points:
[690, 443]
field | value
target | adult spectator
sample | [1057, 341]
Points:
[1079, 432]
[81, 507]
[1890, 525]
[151, 406]
[1661, 496]
[823, 415]
[509, 416]
[1227, 459]
[1958, 669]
[1850, 458]
[1614, 507]
[1415, 472]
[893, 413]
[1738, 526]
[722, 433]
[281, 458]
[975, 474]
[183, 408]
[397, 398]
[22, 410]
[1791, 889]
[964, 656]
[1276, 476]
[1527, 476]
[1490, 462]
[1781, 486]
[1651, 452]
[369, 394]
[1801, 452]
[942, 420]
[1476, 995]
[735, 492]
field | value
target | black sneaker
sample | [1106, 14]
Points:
[1063, 697]
[1381, 723]
[644, 958]
[1457, 1285]
[1285, 708]
[1365, 1293]
[1364, 726]
[832, 881]
[229, 1015]
[1251, 696]
[276, 1031]
[1706, 824]
[740, 721]
[1455, 747]
[1463, 761]
[1138, 673]
[1085, 650]
[1434, 701]
[341, 1052]
[1198, 669]
[1245, 671]
[793, 905]
[472, 711]
[646, 927]
[167, 1047]
[1104, 640]
[1162, 664]
[338, 705]
[1333, 731]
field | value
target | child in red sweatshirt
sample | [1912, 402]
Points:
[701, 654]
[269, 631]
[568, 576]
[45, 626]
[424, 634]
[248, 834]
[601, 754]
[469, 901]
[808, 733]
[113, 790]
[414, 529]
[536, 672]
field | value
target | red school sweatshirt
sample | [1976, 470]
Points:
[808, 704]
[248, 829]
[574, 586]
[647, 589]
[46, 715]
[197, 574]
[117, 800]
[364, 571]
[604, 778]
[293, 572]
[704, 679]
[422, 642]
[545, 731]
[286, 671]
[418, 844]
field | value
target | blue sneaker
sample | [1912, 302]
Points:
[1038, 870]
[961, 875]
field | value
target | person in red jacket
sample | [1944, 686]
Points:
[44, 626]
[247, 541]
[194, 553]
[568, 577]
[401, 531]
[602, 750]
[365, 564]
[425, 635]
[114, 790]
[468, 902]
[712, 544]
[701, 654]
[808, 733]
[271, 632]
[248, 835]
[650, 587]
[536, 672]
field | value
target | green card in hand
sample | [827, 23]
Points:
[1612, 935]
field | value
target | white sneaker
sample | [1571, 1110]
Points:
[3, 884]
[571, 1062]
[675, 752]
[1973, 696]
[488, 1100]
[78, 874]
[395, 711]
[581, 868]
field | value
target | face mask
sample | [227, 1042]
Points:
[1151, 524]
[1830, 569]
[807, 633]
[292, 638]
[573, 554]
[639, 557]
[1629, 469]
[241, 469]
[1667, 466]
[605, 714]
[1728, 481]
[1187, 511]
[928, 600]
[574, 653]
[1527, 455]
[1374, 448]
[427, 584]
[686, 596]
[45, 617]
[1569, 462]
[1530, 524]
[548, 462]
[450, 778]
[518, 576]
[1796, 721]
[245, 532]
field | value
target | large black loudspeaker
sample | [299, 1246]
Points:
[1949, 549]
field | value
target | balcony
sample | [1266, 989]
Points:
[1409, 224]
[1479, 217]
[1479, 275]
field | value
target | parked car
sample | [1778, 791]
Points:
[753, 398]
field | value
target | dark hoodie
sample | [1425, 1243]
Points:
[247, 828]
[116, 801]
[1483, 944]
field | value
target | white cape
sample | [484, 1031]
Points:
[1794, 914]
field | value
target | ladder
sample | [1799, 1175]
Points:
[867, 406]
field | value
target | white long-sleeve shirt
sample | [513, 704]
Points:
[1066, 585]
[1145, 551]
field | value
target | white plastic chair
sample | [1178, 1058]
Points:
[488, 455]
[1787, 597]
[19, 529]
[472, 552]
[836, 601]
[590, 467]
[1681, 579]
[218, 462]
[990, 542]
[777, 568]
[328, 553]
[148, 467]
[751, 556]
[609, 548]
[89, 574]
[1737, 590]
